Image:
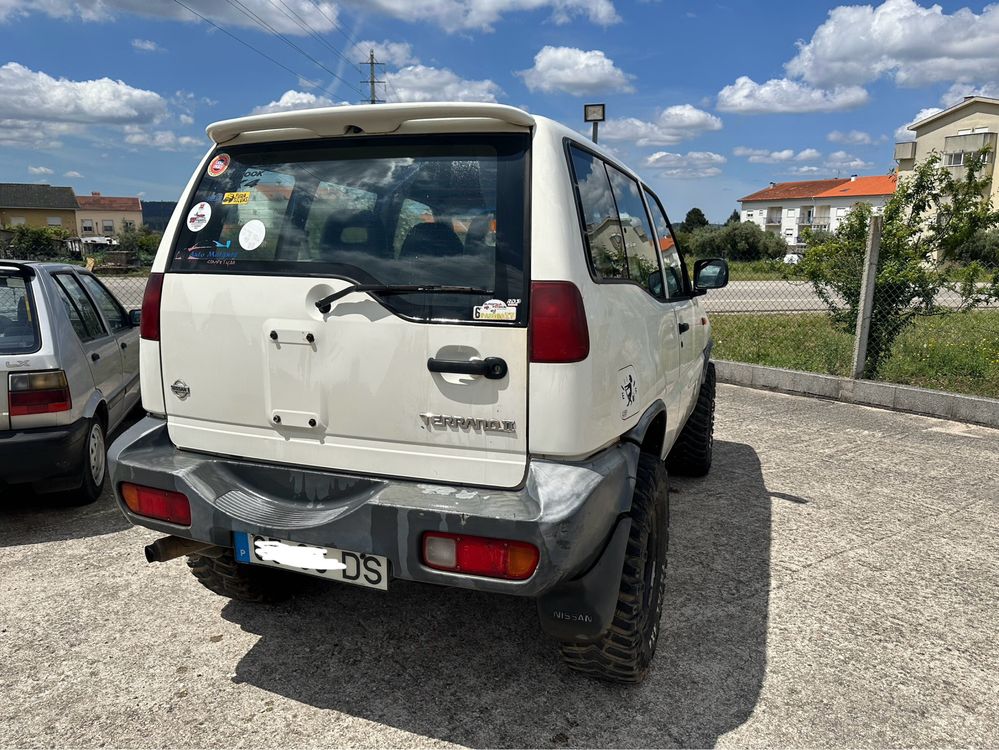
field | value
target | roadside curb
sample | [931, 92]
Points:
[973, 409]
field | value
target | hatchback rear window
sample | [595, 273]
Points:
[423, 210]
[18, 321]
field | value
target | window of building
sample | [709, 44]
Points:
[790, 213]
[841, 212]
[107, 226]
[54, 221]
[749, 214]
[87, 226]
[981, 130]
[128, 225]
[789, 233]
[964, 131]
[16, 221]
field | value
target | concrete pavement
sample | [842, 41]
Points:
[832, 583]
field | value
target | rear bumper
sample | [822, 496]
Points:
[567, 510]
[42, 453]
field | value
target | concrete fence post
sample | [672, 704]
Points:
[867, 297]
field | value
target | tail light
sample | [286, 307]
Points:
[154, 503]
[38, 393]
[479, 556]
[149, 322]
[558, 323]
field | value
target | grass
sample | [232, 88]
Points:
[957, 353]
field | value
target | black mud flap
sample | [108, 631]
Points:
[583, 609]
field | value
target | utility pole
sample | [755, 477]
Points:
[372, 78]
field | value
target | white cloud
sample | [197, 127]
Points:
[72, 173]
[575, 71]
[956, 93]
[903, 133]
[852, 138]
[763, 156]
[450, 15]
[693, 164]
[146, 45]
[396, 54]
[186, 120]
[320, 18]
[39, 170]
[913, 44]
[32, 95]
[34, 133]
[748, 97]
[421, 83]
[161, 140]
[672, 125]
[804, 171]
[291, 100]
[841, 160]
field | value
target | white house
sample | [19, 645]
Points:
[785, 208]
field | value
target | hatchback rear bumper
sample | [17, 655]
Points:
[569, 511]
[42, 454]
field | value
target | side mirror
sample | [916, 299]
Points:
[710, 273]
[134, 316]
[655, 284]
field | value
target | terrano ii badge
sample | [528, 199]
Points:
[469, 423]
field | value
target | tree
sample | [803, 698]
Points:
[733, 218]
[143, 243]
[37, 243]
[694, 220]
[741, 241]
[930, 217]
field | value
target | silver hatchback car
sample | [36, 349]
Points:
[69, 373]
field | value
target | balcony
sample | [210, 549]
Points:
[775, 218]
[905, 151]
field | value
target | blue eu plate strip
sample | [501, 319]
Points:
[241, 541]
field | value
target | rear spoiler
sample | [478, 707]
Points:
[365, 118]
[20, 269]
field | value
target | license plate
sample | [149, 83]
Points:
[358, 568]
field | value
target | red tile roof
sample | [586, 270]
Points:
[98, 202]
[876, 185]
[790, 190]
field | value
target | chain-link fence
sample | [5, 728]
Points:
[126, 285]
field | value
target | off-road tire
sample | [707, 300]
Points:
[625, 651]
[226, 577]
[691, 454]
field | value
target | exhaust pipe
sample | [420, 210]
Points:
[170, 547]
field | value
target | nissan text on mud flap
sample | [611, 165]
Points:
[446, 343]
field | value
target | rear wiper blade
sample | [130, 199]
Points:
[326, 302]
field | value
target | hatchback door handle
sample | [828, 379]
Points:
[493, 368]
[124, 345]
[684, 327]
[95, 356]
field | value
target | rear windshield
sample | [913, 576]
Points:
[18, 322]
[428, 210]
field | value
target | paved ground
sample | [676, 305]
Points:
[832, 583]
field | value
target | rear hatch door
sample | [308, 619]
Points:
[254, 368]
[19, 332]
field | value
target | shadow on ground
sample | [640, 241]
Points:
[475, 669]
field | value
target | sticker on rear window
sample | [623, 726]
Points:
[199, 216]
[235, 199]
[218, 165]
[251, 236]
[494, 309]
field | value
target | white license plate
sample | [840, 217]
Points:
[359, 568]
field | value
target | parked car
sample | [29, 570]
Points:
[69, 373]
[447, 343]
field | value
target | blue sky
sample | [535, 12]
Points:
[708, 101]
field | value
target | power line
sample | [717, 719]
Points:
[260, 22]
[332, 21]
[304, 25]
[250, 46]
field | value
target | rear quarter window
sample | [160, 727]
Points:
[18, 319]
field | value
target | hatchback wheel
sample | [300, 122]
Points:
[95, 464]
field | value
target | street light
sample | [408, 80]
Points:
[594, 113]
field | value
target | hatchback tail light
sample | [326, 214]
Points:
[38, 393]
[558, 323]
[479, 556]
[155, 503]
[149, 321]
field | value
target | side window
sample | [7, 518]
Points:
[638, 235]
[114, 313]
[667, 246]
[82, 313]
[603, 228]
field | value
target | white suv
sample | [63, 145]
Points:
[448, 343]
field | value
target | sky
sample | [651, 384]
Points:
[707, 101]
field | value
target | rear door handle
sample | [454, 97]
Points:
[684, 327]
[124, 345]
[95, 356]
[493, 368]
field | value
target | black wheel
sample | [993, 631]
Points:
[691, 454]
[625, 651]
[94, 466]
[226, 577]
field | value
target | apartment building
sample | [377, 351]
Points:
[954, 133]
[786, 208]
[106, 216]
